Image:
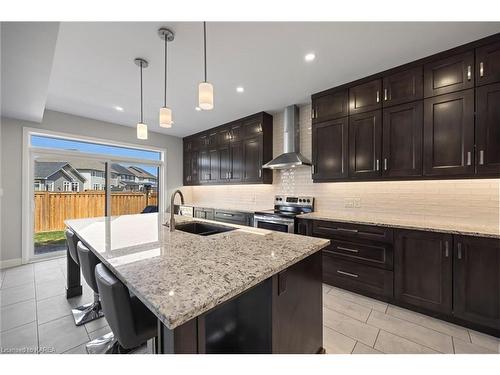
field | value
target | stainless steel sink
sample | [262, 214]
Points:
[202, 229]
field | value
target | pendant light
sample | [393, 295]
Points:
[205, 89]
[142, 128]
[165, 112]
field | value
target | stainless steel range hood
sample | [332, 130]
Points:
[291, 156]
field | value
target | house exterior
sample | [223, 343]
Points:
[143, 178]
[125, 179]
[94, 173]
[57, 176]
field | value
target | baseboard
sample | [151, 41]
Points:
[10, 263]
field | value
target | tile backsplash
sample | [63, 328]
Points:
[460, 202]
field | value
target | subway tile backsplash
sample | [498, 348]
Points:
[454, 202]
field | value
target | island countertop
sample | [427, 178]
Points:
[180, 275]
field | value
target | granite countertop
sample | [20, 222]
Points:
[467, 230]
[180, 275]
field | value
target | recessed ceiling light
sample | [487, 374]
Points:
[197, 108]
[309, 57]
[118, 108]
[240, 89]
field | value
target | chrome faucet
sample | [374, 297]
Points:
[172, 220]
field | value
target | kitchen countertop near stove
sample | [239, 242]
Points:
[180, 275]
[452, 228]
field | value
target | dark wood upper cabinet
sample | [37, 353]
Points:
[224, 163]
[403, 87]
[423, 270]
[224, 136]
[252, 161]
[329, 145]
[449, 134]
[448, 75]
[252, 127]
[488, 129]
[330, 106]
[365, 144]
[365, 97]
[236, 132]
[488, 64]
[213, 169]
[402, 140]
[236, 162]
[477, 280]
[204, 166]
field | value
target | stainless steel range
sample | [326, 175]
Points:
[282, 217]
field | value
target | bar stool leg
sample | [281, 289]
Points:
[88, 312]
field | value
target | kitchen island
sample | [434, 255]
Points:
[246, 290]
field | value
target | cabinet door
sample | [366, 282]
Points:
[403, 87]
[402, 140]
[365, 141]
[477, 280]
[212, 139]
[213, 170]
[236, 162]
[194, 168]
[224, 136]
[187, 168]
[449, 134]
[329, 145]
[252, 127]
[488, 129]
[224, 163]
[204, 166]
[450, 74]
[488, 64]
[252, 163]
[236, 132]
[365, 97]
[330, 106]
[423, 269]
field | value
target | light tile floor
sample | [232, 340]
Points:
[35, 315]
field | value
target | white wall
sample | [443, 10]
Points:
[11, 148]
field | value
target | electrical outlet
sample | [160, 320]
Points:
[348, 203]
[357, 202]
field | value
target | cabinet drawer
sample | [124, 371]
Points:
[377, 255]
[357, 277]
[330, 229]
[232, 217]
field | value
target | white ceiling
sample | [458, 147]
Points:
[93, 68]
[27, 54]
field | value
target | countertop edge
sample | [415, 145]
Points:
[318, 216]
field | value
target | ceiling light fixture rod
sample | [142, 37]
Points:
[165, 96]
[141, 95]
[205, 47]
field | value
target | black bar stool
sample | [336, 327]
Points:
[88, 261]
[132, 323]
[85, 313]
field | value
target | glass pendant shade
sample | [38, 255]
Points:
[142, 131]
[205, 96]
[166, 117]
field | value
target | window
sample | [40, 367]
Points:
[75, 186]
[66, 186]
[38, 186]
[49, 186]
[96, 186]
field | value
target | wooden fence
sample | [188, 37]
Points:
[51, 209]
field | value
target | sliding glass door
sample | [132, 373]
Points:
[74, 179]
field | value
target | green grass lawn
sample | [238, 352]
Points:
[46, 238]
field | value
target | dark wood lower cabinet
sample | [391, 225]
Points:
[477, 280]
[423, 269]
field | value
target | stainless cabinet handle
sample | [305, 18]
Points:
[260, 173]
[469, 158]
[469, 73]
[346, 230]
[446, 249]
[314, 168]
[378, 96]
[347, 274]
[481, 69]
[377, 164]
[459, 251]
[347, 249]
[228, 215]
[312, 113]
[385, 94]
[481, 157]
[385, 164]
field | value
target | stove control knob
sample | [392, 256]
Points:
[308, 201]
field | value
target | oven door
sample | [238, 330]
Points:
[274, 223]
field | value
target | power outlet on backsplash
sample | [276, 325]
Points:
[352, 202]
[357, 202]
